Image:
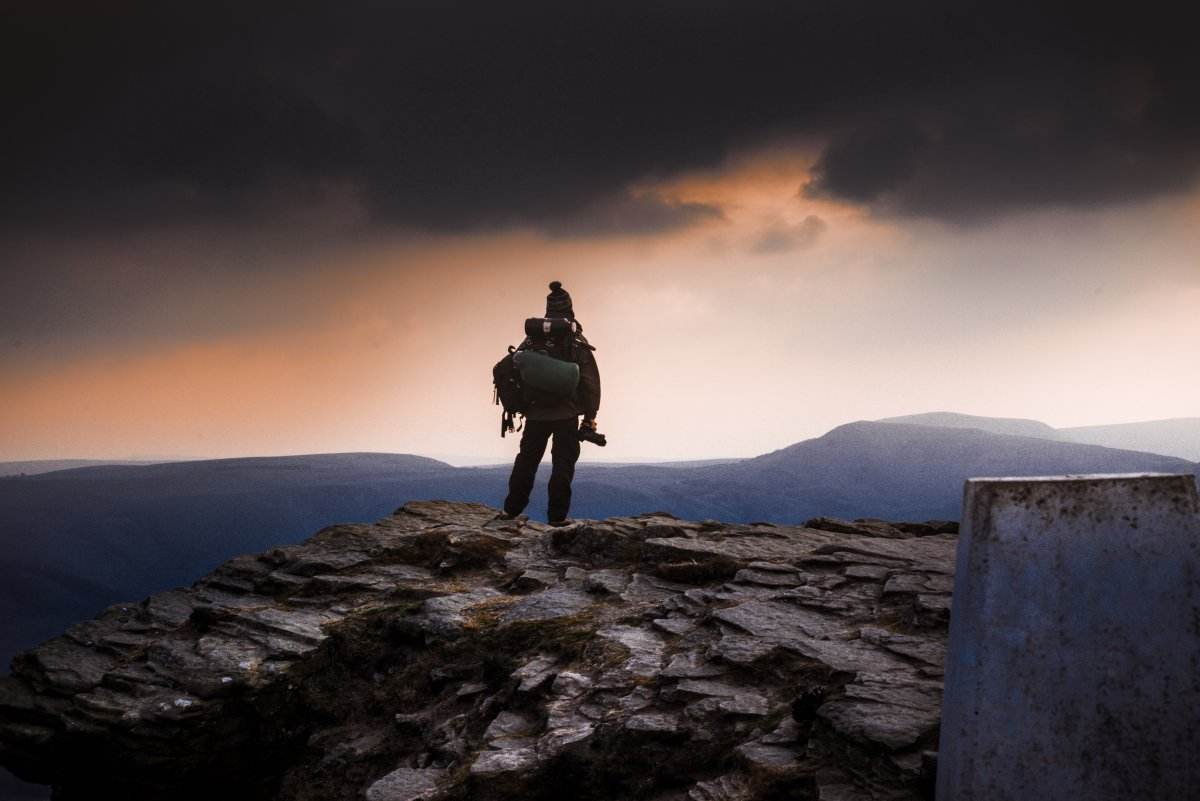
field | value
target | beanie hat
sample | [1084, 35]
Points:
[558, 302]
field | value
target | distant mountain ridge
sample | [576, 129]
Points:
[1179, 437]
[34, 467]
[75, 541]
[1014, 426]
[907, 471]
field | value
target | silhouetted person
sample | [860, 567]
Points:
[559, 420]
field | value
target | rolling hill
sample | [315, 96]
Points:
[1177, 437]
[1014, 426]
[904, 471]
[36, 466]
[75, 541]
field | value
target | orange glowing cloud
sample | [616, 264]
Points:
[708, 345]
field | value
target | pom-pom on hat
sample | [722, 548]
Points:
[558, 302]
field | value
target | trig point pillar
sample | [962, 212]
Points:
[1074, 662]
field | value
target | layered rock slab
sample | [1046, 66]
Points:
[440, 653]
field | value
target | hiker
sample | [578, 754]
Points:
[560, 336]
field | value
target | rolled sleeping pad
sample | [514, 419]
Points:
[547, 327]
[546, 373]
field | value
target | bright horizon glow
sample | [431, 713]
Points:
[455, 460]
[728, 339]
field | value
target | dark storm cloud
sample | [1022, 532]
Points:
[629, 214]
[453, 116]
[971, 160]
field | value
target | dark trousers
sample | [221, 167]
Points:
[563, 455]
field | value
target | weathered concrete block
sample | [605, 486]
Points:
[1074, 661]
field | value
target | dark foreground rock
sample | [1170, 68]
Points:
[440, 654]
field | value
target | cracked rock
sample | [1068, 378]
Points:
[441, 654]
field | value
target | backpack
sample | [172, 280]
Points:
[508, 392]
[542, 371]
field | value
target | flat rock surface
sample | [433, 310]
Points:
[443, 654]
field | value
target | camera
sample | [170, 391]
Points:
[588, 433]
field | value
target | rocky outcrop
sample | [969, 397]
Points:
[443, 654]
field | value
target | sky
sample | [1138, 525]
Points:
[259, 228]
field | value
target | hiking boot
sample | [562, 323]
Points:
[561, 523]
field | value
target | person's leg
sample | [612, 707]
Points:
[533, 448]
[564, 455]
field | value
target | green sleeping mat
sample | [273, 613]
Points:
[546, 373]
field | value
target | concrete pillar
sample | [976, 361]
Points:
[1074, 662]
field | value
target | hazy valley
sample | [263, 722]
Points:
[77, 540]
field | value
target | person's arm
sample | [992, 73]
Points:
[589, 386]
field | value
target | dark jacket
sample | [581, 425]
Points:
[586, 400]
